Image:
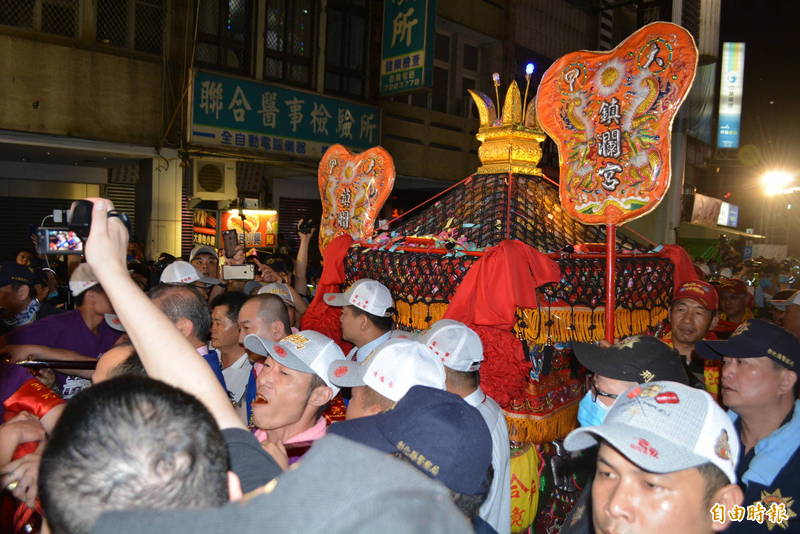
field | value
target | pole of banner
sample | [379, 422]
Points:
[611, 280]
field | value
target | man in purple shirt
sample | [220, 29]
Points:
[81, 334]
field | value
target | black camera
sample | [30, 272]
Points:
[306, 226]
[69, 240]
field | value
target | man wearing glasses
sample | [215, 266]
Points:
[613, 369]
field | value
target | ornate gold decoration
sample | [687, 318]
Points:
[509, 144]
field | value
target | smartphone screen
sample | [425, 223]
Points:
[59, 241]
[230, 240]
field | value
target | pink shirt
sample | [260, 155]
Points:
[310, 434]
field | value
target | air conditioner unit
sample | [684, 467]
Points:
[214, 179]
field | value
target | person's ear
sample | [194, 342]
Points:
[235, 492]
[727, 496]
[184, 326]
[276, 330]
[788, 380]
[320, 396]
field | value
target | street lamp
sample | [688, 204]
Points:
[775, 181]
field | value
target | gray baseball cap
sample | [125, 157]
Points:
[664, 427]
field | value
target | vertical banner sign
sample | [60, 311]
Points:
[611, 115]
[409, 36]
[353, 188]
[730, 95]
[204, 227]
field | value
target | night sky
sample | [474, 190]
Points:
[771, 105]
[771, 109]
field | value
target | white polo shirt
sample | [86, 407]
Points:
[496, 510]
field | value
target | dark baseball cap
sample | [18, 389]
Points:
[755, 338]
[441, 435]
[636, 359]
[13, 272]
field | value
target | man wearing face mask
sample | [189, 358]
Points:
[613, 369]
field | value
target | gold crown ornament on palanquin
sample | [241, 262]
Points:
[511, 143]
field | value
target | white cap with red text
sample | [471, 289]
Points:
[366, 294]
[393, 368]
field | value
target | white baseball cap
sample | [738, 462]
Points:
[113, 321]
[366, 294]
[306, 351]
[393, 368]
[183, 272]
[82, 279]
[455, 344]
[277, 288]
[665, 427]
[203, 249]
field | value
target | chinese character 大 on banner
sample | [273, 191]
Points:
[243, 114]
[611, 115]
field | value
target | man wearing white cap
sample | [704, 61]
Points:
[666, 462]
[459, 348]
[386, 376]
[206, 260]
[293, 389]
[81, 334]
[367, 308]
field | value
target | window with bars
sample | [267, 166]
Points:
[56, 17]
[136, 24]
[224, 35]
[289, 41]
[346, 47]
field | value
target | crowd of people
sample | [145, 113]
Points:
[190, 403]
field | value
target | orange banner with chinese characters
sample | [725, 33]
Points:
[353, 188]
[260, 227]
[611, 115]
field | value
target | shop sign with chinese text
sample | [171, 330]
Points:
[230, 112]
[259, 227]
[204, 227]
[611, 115]
[409, 31]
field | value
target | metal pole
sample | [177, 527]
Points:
[611, 279]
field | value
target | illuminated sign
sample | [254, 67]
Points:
[728, 215]
[260, 227]
[730, 95]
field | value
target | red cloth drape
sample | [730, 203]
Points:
[502, 280]
[505, 278]
[319, 316]
[684, 268]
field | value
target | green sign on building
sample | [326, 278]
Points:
[409, 31]
[229, 112]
